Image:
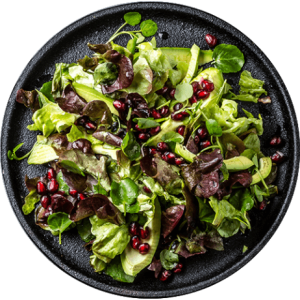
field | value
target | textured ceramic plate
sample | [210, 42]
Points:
[185, 26]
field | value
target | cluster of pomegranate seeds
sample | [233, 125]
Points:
[211, 40]
[139, 232]
[201, 138]
[86, 123]
[201, 90]
[275, 141]
[277, 157]
[178, 268]
[119, 105]
[146, 190]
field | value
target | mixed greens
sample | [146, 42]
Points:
[148, 157]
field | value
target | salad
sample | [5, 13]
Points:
[148, 157]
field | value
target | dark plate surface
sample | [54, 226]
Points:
[185, 26]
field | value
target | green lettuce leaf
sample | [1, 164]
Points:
[98, 264]
[168, 259]
[115, 270]
[30, 200]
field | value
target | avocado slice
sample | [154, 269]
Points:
[100, 149]
[184, 54]
[238, 163]
[193, 66]
[265, 167]
[132, 261]
[183, 152]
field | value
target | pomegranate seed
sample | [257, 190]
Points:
[193, 99]
[177, 106]
[200, 83]
[170, 157]
[179, 266]
[177, 117]
[275, 141]
[181, 130]
[154, 131]
[179, 161]
[134, 228]
[81, 196]
[177, 270]
[119, 105]
[146, 190]
[90, 125]
[162, 146]
[277, 157]
[152, 151]
[205, 144]
[208, 86]
[51, 173]
[211, 40]
[202, 94]
[144, 248]
[144, 233]
[162, 90]
[82, 120]
[185, 114]
[195, 86]
[172, 93]
[164, 157]
[45, 201]
[135, 242]
[155, 114]
[164, 111]
[136, 127]
[165, 275]
[263, 205]
[53, 186]
[202, 133]
[41, 188]
[73, 193]
[197, 139]
[144, 136]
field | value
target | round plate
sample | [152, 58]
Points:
[185, 26]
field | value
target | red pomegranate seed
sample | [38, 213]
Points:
[193, 100]
[178, 106]
[208, 86]
[185, 114]
[211, 40]
[205, 144]
[179, 266]
[164, 111]
[202, 133]
[136, 127]
[45, 201]
[263, 205]
[154, 131]
[119, 105]
[152, 151]
[181, 130]
[144, 233]
[146, 190]
[275, 141]
[162, 146]
[179, 161]
[165, 275]
[82, 120]
[90, 125]
[144, 136]
[202, 94]
[51, 173]
[277, 157]
[41, 188]
[53, 186]
[197, 139]
[162, 90]
[163, 156]
[177, 117]
[135, 242]
[73, 193]
[144, 248]
[155, 114]
[81, 196]
[172, 93]
[134, 228]
[170, 157]
[195, 86]
[177, 270]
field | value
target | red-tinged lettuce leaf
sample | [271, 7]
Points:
[108, 138]
[170, 218]
[191, 210]
[70, 101]
[148, 166]
[99, 205]
[98, 110]
[192, 146]
[59, 203]
[100, 48]
[125, 76]
[242, 177]
[29, 99]
[83, 145]
[155, 266]
[74, 181]
[138, 104]
[232, 153]
[88, 63]
[183, 251]
[59, 142]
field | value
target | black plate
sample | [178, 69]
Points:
[185, 26]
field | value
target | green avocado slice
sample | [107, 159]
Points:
[193, 66]
[238, 163]
[265, 167]
[132, 261]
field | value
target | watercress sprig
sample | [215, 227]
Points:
[12, 154]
